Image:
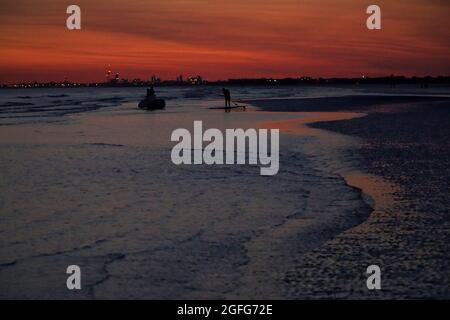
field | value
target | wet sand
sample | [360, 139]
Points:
[400, 153]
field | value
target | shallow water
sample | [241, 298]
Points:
[50, 104]
[99, 190]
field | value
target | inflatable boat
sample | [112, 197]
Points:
[155, 104]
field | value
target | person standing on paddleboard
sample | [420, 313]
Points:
[227, 96]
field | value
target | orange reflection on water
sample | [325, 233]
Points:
[377, 191]
[299, 125]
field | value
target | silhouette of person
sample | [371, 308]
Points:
[151, 93]
[227, 96]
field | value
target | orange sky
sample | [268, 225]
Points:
[221, 39]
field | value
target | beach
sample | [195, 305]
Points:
[97, 188]
[404, 144]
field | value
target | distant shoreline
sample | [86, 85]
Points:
[391, 81]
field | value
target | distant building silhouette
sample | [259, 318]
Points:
[195, 80]
[155, 80]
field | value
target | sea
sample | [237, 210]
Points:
[87, 180]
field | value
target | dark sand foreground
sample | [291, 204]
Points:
[406, 141]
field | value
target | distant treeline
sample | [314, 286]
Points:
[390, 80]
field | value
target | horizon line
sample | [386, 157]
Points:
[123, 81]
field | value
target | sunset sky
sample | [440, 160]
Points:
[221, 39]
